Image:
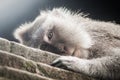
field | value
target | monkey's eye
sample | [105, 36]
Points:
[50, 35]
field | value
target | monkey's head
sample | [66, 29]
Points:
[57, 31]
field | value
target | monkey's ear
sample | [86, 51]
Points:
[23, 32]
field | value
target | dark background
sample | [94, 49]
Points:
[15, 12]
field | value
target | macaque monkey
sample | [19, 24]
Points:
[87, 46]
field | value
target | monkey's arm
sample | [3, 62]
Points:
[105, 67]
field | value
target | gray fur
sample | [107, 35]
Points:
[98, 42]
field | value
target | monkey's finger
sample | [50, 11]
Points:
[59, 65]
[56, 63]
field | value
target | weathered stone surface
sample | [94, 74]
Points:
[41, 56]
[19, 49]
[2, 78]
[33, 54]
[19, 62]
[16, 74]
[4, 45]
[27, 52]
[11, 60]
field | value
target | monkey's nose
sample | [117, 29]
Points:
[63, 49]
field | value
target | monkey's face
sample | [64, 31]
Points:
[56, 36]
[52, 37]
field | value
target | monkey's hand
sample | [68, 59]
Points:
[71, 63]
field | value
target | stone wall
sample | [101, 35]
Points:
[19, 62]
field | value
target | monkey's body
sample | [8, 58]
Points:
[106, 37]
[96, 43]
